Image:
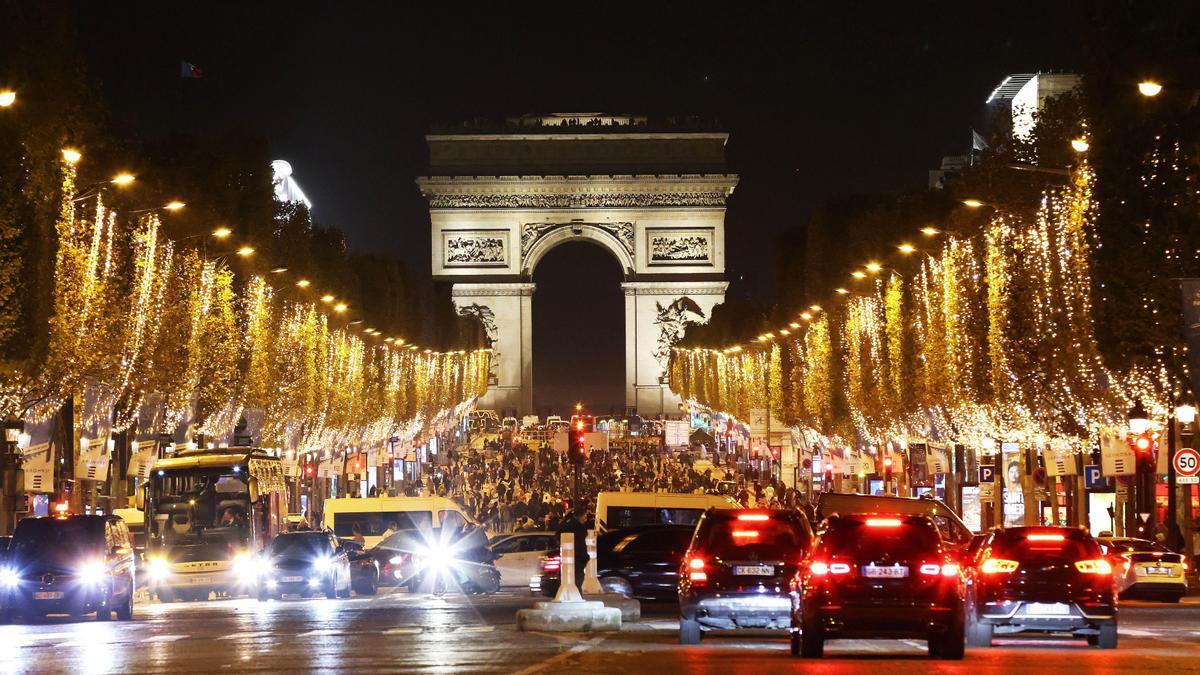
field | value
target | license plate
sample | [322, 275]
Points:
[1158, 571]
[753, 570]
[200, 580]
[891, 572]
[290, 580]
[48, 595]
[1047, 608]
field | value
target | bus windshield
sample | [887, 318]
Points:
[195, 507]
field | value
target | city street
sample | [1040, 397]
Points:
[396, 632]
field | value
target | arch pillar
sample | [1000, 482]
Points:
[506, 311]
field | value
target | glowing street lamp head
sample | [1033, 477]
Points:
[873, 267]
[174, 206]
[815, 308]
[973, 203]
[303, 283]
[340, 307]
[245, 251]
[222, 232]
[279, 270]
[793, 325]
[71, 155]
[326, 299]
[929, 231]
[858, 274]
[123, 179]
[7, 97]
[841, 291]
[806, 316]
[1079, 144]
[1149, 88]
[907, 248]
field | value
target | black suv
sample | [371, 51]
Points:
[639, 562]
[69, 565]
[739, 571]
[880, 576]
[1051, 579]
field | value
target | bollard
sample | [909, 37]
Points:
[591, 583]
[567, 590]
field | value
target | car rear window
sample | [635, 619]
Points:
[874, 537]
[762, 539]
[1026, 546]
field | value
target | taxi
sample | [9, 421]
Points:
[1150, 570]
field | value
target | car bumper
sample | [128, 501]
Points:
[295, 583]
[731, 612]
[1029, 615]
[197, 581]
[1157, 587]
[880, 621]
[38, 600]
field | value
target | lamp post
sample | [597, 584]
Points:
[1185, 415]
[11, 476]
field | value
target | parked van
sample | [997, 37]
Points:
[954, 531]
[375, 515]
[617, 510]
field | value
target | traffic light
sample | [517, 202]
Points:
[1143, 448]
[575, 440]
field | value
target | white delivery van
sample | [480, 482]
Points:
[375, 515]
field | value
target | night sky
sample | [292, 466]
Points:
[818, 102]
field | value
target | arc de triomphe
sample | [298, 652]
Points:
[500, 198]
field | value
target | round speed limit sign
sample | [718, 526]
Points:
[1187, 463]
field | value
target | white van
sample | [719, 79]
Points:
[616, 510]
[375, 515]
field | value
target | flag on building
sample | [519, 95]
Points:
[189, 71]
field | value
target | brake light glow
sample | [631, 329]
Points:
[1045, 537]
[949, 570]
[999, 566]
[745, 534]
[552, 564]
[753, 516]
[883, 522]
[820, 569]
[696, 563]
[1097, 566]
[931, 569]
[839, 568]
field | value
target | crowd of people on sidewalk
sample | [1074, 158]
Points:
[517, 488]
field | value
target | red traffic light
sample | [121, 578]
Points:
[1142, 443]
[887, 462]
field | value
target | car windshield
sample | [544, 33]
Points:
[300, 545]
[1042, 546]
[875, 537]
[57, 540]
[759, 539]
[375, 523]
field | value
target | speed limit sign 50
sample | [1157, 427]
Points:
[1187, 466]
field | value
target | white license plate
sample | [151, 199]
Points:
[48, 595]
[1157, 571]
[289, 580]
[203, 580]
[1048, 608]
[894, 572]
[753, 570]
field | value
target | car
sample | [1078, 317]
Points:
[738, 571]
[638, 562]
[1146, 569]
[364, 568]
[518, 555]
[1042, 579]
[305, 563]
[879, 576]
[72, 565]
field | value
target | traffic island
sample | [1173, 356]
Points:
[569, 612]
[631, 609]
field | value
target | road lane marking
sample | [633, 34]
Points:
[164, 638]
[402, 631]
[561, 656]
[1137, 632]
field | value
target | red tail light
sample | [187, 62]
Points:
[999, 566]
[883, 522]
[696, 573]
[821, 569]
[1045, 537]
[946, 570]
[551, 563]
[1097, 566]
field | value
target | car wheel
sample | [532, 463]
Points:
[689, 631]
[1108, 636]
[1173, 598]
[330, 589]
[795, 643]
[812, 643]
[979, 633]
[618, 585]
[949, 645]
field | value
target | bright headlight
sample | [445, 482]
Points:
[159, 568]
[437, 556]
[322, 564]
[245, 566]
[9, 577]
[93, 572]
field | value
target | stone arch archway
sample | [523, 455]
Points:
[538, 239]
[500, 202]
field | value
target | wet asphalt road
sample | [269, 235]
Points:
[398, 632]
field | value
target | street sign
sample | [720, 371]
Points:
[1187, 463]
[987, 474]
[1092, 478]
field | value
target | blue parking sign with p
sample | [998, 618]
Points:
[1092, 477]
[987, 474]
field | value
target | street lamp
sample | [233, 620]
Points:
[222, 232]
[1186, 414]
[1138, 419]
[246, 251]
[174, 205]
[303, 283]
[7, 97]
[841, 291]
[973, 203]
[123, 179]
[71, 155]
[1080, 144]
[929, 231]
[1149, 88]
[907, 248]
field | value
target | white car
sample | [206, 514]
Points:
[517, 555]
